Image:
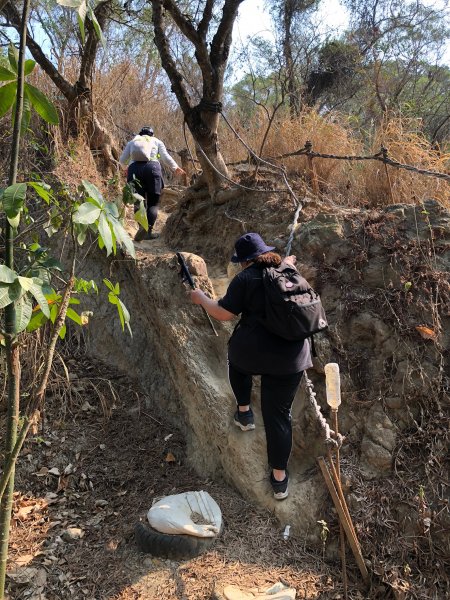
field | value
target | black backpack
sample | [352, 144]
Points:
[293, 309]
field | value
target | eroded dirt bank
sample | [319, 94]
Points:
[383, 276]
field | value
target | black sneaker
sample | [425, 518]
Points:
[244, 420]
[151, 236]
[140, 235]
[280, 488]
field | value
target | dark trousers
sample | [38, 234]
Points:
[277, 396]
[147, 181]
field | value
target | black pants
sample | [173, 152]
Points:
[147, 181]
[277, 396]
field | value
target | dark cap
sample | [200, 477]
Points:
[248, 247]
[146, 131]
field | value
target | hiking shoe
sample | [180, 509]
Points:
[140, 235]
[280, 488]
[150, 236]
[244, 420]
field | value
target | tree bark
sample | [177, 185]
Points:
[81, 113]
[12, 347]
[203, 118]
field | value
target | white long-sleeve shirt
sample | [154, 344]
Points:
[145, 148]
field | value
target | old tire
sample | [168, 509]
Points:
[177, 546]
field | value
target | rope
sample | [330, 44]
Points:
[381, 156]
[331, 439]
[207, 106]
[187, 146]
[263, 161]
[239, 185]
[291, 235]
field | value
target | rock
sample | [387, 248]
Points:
[378, 443]
[375, 460]
[72, 533]
[394, 402]
[380, 429]
[324, 237]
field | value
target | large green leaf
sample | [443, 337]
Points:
[98, 29]
[52, 263]
[9, 292]
[26, 115]
[13, 57]
[71, 314]
[42, 189]
[37, 320]
[86, 214]
[7, 97]
[38, 292]
[124, 315]
[105, 232]
[81, 233]
[24, 310]
[26, 283]
[13, 199]
[140, 216]
[127, 194]
[82, 12]
[41, 104]
[7, 75]
[7, 275]
[123, 238]
[111, 210]
[109, 284]
[93, 192]
[29, 66]
[69, 3]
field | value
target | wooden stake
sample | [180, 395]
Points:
[311, 169]
[346, 521]
[388, 177]
[341, 529]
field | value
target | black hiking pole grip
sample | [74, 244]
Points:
[186, 276]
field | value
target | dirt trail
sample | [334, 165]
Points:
[72, 533]
[169, 392]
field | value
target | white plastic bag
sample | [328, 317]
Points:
[174, 514]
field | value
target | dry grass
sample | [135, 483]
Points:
[408, 145]
[125, 100]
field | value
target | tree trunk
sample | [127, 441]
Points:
[81, 114]
[12, 347]
[212, 57]
[203, 126]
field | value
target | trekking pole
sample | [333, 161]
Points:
[187, 277]
[333, 388]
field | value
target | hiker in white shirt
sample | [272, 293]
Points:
[143, 154]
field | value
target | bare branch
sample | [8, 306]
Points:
[187, 28]
[167, 60]
[206, 19]
[220, 46]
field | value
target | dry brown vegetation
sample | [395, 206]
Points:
[124, 104]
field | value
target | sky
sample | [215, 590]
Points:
[254, 19]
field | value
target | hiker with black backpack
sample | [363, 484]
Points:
[271, 297]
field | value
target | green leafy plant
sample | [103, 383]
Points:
[103, 218]
[33, 98]
[84, 9]
[113, 297]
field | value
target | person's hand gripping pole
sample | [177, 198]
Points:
[187, 277]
